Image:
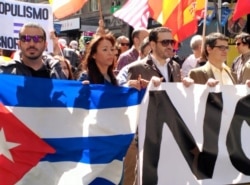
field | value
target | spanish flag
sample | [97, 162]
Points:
[200, 9]
[178, 15]
[242, 8]
[64, 8]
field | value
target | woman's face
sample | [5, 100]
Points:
[105, 54]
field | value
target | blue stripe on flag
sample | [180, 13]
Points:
[20, 92]
[89, 150]
[101, 181]
[78, 141]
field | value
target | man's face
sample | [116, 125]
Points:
[163, 47]
[32, 43]
[218, 54]
[124, 45]
[241, 47]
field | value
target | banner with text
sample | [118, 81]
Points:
[14, 14]
[196, 135]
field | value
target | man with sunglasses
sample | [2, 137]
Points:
[241, 64]
[157, 63]
[32, 61]
[215, 71]
[132, 54]
[122, 43]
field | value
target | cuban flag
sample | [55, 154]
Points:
[60, 132]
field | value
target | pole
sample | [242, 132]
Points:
[100, 30]
[100, 9]
[218, 14]
[203, 57]
[204, 22]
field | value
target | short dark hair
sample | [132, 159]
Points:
[33, 25]
[244, 37]
[153, 35]
[211, 40]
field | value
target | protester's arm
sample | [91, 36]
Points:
[56, 48]
[100, 30]
[122, 76]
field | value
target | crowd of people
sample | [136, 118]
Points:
[124, 62]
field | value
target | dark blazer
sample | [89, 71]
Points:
[200, 75]
[147, 69]
[50, 69]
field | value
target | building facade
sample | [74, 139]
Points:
[87, 18]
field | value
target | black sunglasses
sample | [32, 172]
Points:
[35, 38]
[125, 44]
[222, 48]
[166, 42]
[238, 43]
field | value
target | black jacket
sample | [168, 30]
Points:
[51, 69]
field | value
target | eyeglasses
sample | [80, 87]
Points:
[222, 48]
[124, 44]
[238, 43]
[35, 38]
[166, 42]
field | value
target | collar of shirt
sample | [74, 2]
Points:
[245, 57]
[162, 68]
[221, 75]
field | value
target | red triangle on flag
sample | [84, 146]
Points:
[20, 150]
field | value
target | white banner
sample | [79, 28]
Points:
[196, 135]
[13, 14]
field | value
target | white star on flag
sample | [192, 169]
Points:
[5, 146]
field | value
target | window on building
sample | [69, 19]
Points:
[93, 5]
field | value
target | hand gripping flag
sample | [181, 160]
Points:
[60, 132]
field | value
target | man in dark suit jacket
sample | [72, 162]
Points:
[215, 71]
[158, 63]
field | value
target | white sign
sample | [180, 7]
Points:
[13, 14]
[195, 136]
